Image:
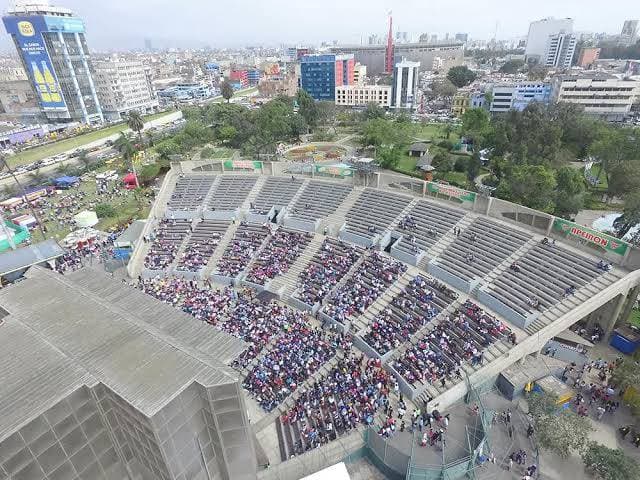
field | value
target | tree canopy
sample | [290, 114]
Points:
[461, 76]
[610, 464]
[226, 90]
[511, 66]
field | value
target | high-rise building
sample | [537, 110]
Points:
[124, 86]
[52, 46]
[462, 37]
[560, 50]
[239, 76]
[359, 74]
[539, 33]
[516, 96]
[405, 84]
[320, 74]
[629, 33]
[148, 46]
[424, 38]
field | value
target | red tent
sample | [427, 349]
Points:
[130, 181]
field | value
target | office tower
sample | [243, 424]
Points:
[629, 33]
[320, 74]
[52, 46]
[560, 50]
[148, 46]
[405, 84]
[462, 37]
[539, 33]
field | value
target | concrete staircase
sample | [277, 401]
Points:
[285, 285]
[220, 248]
[506, 263]
[212, 191]
[334, 221]
[587, 291]
[446, 240]
[361, 322]
[298, 193]
[255, 191]
[401, 215]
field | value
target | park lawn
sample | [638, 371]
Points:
[459, 179]
[407, 163]
[220, 152]
[634, 318]
[55, 148]
[236, 94]
[434, 132]
[604, 184]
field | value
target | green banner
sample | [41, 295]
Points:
[20, 235]
[453, 192]
[242, 164]
[335, 171]
[607, 242]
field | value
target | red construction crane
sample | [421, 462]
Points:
[388, 61]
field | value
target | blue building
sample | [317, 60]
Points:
[53, 49]
[517, 96]
[320, 74]
[254, 76]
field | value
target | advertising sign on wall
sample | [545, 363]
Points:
[334, 171]
[607, 242]
[27, 32]
[450, 191]
[242, 164]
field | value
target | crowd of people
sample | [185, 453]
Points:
[462, 338]
[165, 242]
[350, 394]
[277, 257]
[196, 255]
[76, 256]
[240, 251]
[372, 278]
[419, 303]
[296, 355]
[325, 270]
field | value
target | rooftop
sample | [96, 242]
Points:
[98, 330]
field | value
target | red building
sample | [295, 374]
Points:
[588, 56]
[344, 69]
[241, 76]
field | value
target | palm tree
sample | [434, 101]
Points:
[127, 150]
[136, 123]
[84, 159]
[36, 177]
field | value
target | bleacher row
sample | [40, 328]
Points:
[319, 199]
[276, 191]
[420, 302]
[374, 212]
[190, 192]
[166, 241]
[201, 244]
[245, 243]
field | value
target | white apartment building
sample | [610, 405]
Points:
[539, 33]
[603, 95]
[124, 86]
[361, 95]
[560, 50]
[405, 84]
[359, 74]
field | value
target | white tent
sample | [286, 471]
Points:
[86, 218]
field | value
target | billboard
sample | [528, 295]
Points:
[589, 235]
[27, 32]
[452, 192]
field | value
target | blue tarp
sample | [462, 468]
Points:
[66, 180]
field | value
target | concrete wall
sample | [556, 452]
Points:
[510, 314]
[449, 278]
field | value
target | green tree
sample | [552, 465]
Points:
[559, 430]
[442, 89]
[461, 76]
[476, 125]
[36, 177]
[536, 72]
[372, 111]
[149, 172]
[630, 215]
[609, 464]
[388, 156]
[105, 210]
[123, 145]
[624, 178]
[570, 191]
[326, 113]
[84, 160]
[530, 185]
[511, 66]
[226, 90]
[473, 166]
[380, 132]
[136, 124]
[307, 108]
[442, 162]
[227, 133]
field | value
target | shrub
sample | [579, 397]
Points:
[104, 210]
[461, 164]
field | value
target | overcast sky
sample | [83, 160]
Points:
[122, 24]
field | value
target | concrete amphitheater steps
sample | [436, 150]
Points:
[506, 263]
[220, 248]
[446, 240]
[361, 322]
[255, 191]
[285, 285]
[335, 221]
[298, 194]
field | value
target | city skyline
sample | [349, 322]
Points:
[195, 25]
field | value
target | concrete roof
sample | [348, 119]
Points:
[24, 257]
[60, 334]
[131, 234]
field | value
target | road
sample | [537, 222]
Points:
[158, 122]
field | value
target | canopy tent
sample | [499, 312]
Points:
[29, 255]
[130, 181]
[66, 181]
[83, 236]
[86, 218]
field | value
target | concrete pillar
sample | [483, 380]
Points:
[620, 299]
[553, 219]
[489, 203]
[631, 300]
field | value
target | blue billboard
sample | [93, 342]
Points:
[27, 32]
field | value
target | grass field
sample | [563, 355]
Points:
[239, 93]
[218, 152]
[634, 318]
[38, 153]
[603, 185]
[434, 132]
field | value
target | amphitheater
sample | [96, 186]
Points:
[462, 244]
